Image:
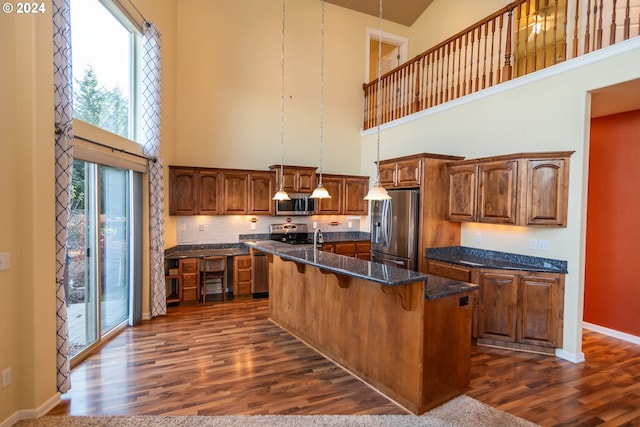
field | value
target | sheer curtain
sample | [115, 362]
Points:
[151, 91]
[63, 116]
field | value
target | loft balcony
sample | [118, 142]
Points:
[523, 37]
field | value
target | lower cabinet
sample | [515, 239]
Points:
[189, 269]
[356, 249]
[242, 276]
[516, 309]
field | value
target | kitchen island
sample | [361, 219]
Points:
[405, 333]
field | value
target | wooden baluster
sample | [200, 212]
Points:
[576, 40]
[393, 95]
[446, 74]
[498, 68]
[439, 66]
[587, 35]
[484, 59]
[466, 56]
[493, 41]
[564, 32]
[599, 31]
[429, 77]
[477, 59]
[612, 27]
[535, 36]
[471, 63]
[627, 22]
[544, 34]
[459, 49]
[507, 69]
[418, 84]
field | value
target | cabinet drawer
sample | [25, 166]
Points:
[189, 294]
[243, 261]
[346, 248]
[243, 289]
[449, 271]
[243, 275]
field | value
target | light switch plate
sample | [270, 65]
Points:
[4, 261]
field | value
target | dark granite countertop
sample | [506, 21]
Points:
[482, 258]
[199, 251]
[436, 287]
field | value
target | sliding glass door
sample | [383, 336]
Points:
[100, 242]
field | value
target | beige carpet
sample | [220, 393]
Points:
[461, 411]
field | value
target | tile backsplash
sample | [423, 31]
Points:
[227, 228]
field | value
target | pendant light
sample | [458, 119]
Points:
[281, 194]
[320, 192]
[378, 192]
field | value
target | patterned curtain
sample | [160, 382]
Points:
[63, 116]
[151, 90]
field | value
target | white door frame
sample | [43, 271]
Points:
[374, 34]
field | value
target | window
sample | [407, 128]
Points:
[102, 50]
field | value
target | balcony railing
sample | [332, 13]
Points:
[523, 37]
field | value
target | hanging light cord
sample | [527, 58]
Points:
[378, 113]
[282, 104]
[321, 86]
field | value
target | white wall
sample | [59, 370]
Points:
[547, 111]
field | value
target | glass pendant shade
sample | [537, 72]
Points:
[281, 195]
[377, 192]
[320, 193]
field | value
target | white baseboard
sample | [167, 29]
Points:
[27, 414]
[146, 316]
[571, 357]
[611, 333]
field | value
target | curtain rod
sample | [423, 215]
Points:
[153, 159]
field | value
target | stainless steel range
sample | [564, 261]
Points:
[295, 234]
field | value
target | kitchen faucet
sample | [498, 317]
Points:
[317, 238]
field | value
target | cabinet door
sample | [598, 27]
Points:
[329, 247]
[355, 189]
[462, 192]
[546, 192]
[208, 192]
[242, 275]
[388, 175]
[235, 193]
[183, 188]
[346, 248]
[261, 190]
[190, 279]
[497, 317]
[408, 173]
[363, 250]
[332, 206]
[540, 312]
[497, 192]
[289, 179]
[306, 180]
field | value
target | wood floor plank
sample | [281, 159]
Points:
[224, 359]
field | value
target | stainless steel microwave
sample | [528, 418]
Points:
[300, 204]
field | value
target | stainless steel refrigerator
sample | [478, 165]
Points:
[394, 229]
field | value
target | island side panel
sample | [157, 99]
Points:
[355, 323]
[447, 325]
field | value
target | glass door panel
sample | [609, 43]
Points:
[114, 245]
[81, 274]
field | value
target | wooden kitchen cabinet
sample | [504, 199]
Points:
[261, 191]
[208, 192]
[242, 276]
[235, 193]
[347, 195]
[515, 309]
[183, 189]
[518, 189]
[405, 173]
[355, 249]
[296, 179]
[189, 270]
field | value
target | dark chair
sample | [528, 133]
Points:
[214, 271]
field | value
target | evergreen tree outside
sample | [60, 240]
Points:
[106, 108]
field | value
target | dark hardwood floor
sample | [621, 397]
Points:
[223, 359]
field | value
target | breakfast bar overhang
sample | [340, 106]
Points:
[405, 333]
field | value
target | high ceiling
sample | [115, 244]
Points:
[403, 12]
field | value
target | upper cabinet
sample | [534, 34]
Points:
[518, 189]
[296, 179]
[211, 191]
[347, 195]
[400, 173]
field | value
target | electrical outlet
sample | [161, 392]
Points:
[201, 227]
[478, 237]
[6, 377]
[533, 244]
[4, 261]
[350, 224]
[544, 245]
[253, 225]
[315, 225]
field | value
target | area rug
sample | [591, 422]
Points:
[461, 411]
